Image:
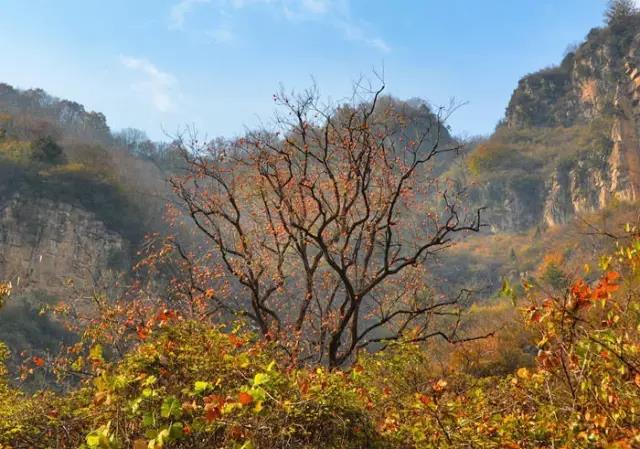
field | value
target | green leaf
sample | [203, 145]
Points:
[147, 392]
[201, 387]
[247, 445]
[150, 381]
[176, 430]
[147, 420]
[93, 439]
[162, 438]
[261, 379]
[170, 407]
[134, 405]
[258, 394]
[507, 291]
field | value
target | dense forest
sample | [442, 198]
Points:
[352, 275]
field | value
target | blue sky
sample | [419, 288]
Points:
[159, 65]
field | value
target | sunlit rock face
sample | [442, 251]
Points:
[49, 246]
[598, 81]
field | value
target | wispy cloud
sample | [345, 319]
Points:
[333, 13]
[180, 10]
[160, 87]
[355, 33]
[337, 14]
[309, 8]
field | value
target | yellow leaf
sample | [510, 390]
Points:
[440, 385]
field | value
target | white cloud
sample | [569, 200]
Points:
[243, 3]
[333, 13]
[355, 33]
[180, 10]
[314, 7]
[157, 85]
[309, 9]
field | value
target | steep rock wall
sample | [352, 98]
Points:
[600, 79]
[48, 246]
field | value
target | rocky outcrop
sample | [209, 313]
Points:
[600, 80]
[578, 189]
[575, 192]
[582, 87]
[511, 203]
[48, 246]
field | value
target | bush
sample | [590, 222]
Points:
[197, 387]
[188, 385]
[46, 150]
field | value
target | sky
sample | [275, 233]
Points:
[214, 65]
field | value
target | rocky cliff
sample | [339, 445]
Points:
[73, 200]
[48, 246]
[569, 142]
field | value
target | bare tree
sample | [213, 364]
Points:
[327, 222]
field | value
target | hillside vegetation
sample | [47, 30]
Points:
[55, 149]
[343, 279]
[192, 386]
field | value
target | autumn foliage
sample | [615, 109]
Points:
[186, 384]
[298, 316]
[320, 227]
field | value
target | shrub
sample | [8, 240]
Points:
[195, 387]
[46, 150]
[188, 385]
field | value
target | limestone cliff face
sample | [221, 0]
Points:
[600, 80]
[578, 190]
[48, 246]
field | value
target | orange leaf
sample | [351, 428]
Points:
[142, 332]
[213, 412]
[612, 276]
[426, 400]
[38, 361]
[535, 316]
[214, 399]
[245, 398]
[236, 341]
[165, 315]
